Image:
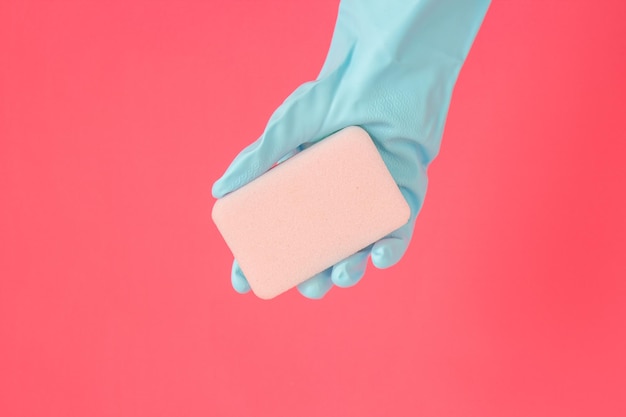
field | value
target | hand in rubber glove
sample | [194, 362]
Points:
[391, 68]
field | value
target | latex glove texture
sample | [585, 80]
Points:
[391, 69]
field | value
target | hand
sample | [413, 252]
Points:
[390, 69]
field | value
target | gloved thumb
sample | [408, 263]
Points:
[297, 121]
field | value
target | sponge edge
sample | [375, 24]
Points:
[310, 212]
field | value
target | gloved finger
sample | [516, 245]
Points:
[289, 154]
[296, 121]
[348, 272]
[317, 286]
[294, 152]
[238, 280]
[388, 251]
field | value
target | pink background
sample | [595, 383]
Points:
[115, 297]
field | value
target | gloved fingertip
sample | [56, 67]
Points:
[238, 280]
[343, 276]
[316, 288]
[387, 252]
[380, 252]
[217, 189]
[228, 183]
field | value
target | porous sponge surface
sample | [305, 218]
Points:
[310, 212]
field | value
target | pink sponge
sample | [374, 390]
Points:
[310, 212]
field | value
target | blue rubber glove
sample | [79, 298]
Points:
[391, 68]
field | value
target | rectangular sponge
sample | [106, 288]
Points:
[310, 212]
